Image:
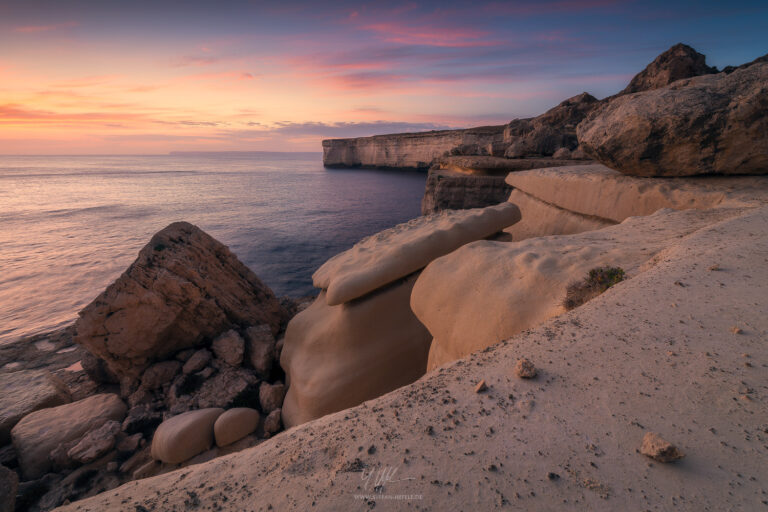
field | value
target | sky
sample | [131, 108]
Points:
[148, 77]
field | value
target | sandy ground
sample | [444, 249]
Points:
[655, 353]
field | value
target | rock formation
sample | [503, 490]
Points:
[712, 124]
[679, 62]
[360, 339]
[399, 251]
[235, 424]
[466, 182]
[549, 132]
[183, 289]
[408, 150]
[27, 391]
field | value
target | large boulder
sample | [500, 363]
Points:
[712, 124]
[339, 356]
[27, 391]
[39, 433]
[184, 436]
[406, 248]
[545, 134]
[520, 285]
[183, 290]
[679, 62]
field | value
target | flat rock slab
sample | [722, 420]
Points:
[39, 433]
[27, 391]
[496, 166]
[399, 251]
[599, 191]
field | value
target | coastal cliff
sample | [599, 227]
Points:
[410, 150]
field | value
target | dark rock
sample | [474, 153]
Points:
[545, 134]
[197, 361]
[9, 484]
[129, 444]
[95, 444]
[229, 347]
[160, 374]
[232, 387]
[273, 423]
[97, 369]
[141, 419]
[271, 396]
[260, 349]
[679, 62]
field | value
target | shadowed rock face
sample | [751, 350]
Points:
[554, 129]
[713, 124]
[680, 61]
[184, 289]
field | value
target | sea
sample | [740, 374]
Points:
[70, 225]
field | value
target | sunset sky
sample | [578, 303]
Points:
[81, 77]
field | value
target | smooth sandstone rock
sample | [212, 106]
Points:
[272, 422]
[712, 124]
[520, 285]
[183, 289]
[336, 357]
[184, 436]
[229, 347]
[24, 392]
[597, 191]
[39, 433]
[397, 252]
[235, 424]
[540, 218]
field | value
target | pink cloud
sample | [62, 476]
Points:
[542, 8]
[429, 35]
[34, 29]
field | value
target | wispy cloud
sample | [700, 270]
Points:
[36, 29]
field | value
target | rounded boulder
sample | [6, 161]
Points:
[184, 436]
[235, 424]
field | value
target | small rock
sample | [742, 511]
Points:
[655, 447]
[562, 154]
[140, 396]
[97, 369]
[271, 396]
[260, 345]
[59, 456]
[736, 330]
[9, 484]
[714, 268]
[273, 422]
[160, 373]
[135, 461]
[26, 391]
[553, 476]
[229, 347]
[197, 361]
[184, 355]
[235, 424]
[95, 444]
[525, 369]
[232, 387]
[481, 386]
[129, 444]
[141, 419]
[112, 466]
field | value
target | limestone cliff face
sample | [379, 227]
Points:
[410, 150]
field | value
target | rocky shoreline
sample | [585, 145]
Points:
[445, 350]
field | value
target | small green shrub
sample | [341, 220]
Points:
[597, 281]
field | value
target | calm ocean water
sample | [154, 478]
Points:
[69, 226]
